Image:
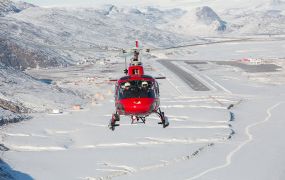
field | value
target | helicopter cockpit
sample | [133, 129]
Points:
[137, 89]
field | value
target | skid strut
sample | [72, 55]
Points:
[114, 119]
[163, 118]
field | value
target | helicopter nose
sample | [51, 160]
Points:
[139, 106]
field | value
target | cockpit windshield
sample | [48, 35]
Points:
[136, 89]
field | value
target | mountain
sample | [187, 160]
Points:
[7, 6]
[21, 94]
[47, 37]
[266, 18]
[21, 54]
[24, 5]
[207, 16]
[256, 19]
[51, 37]
[198, 21]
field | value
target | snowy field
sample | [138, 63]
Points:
[233, 131]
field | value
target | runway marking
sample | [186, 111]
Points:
[176, 87]
[250, 138]
[217, 84]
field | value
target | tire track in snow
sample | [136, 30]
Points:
[187, 118]
[250, 138]
[35, 148]
[156, 141]
[125, 170]
[191, 106]
[117, 170]
[150, 142]
[24, 135]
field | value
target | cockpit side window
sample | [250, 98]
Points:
[156, 88]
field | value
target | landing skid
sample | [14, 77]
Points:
[137, 119]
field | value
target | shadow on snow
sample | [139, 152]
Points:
[7, 173]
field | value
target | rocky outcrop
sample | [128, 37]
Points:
[11, 112]
[20, 57]
[13, 107]
[208, 16]
[7, 7]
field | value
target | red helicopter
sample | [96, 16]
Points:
[137, 94]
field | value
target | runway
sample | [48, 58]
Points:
[189, 79]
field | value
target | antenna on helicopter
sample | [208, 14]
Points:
[135, 61]
[126, 69]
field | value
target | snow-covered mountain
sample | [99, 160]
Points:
[198, 21]
[23, 5]
[267, 18]
[46, 37]
[43, 37]
[7, 6]
[207, 16]
[21, 94]
[255, 19]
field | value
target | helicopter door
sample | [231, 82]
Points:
[116, 91]
[156, 86]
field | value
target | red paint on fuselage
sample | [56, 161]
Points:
[137, 106]
[135, 71]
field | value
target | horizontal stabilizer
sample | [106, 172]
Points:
[161, 77]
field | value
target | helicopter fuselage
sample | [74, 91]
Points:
[136, 100]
